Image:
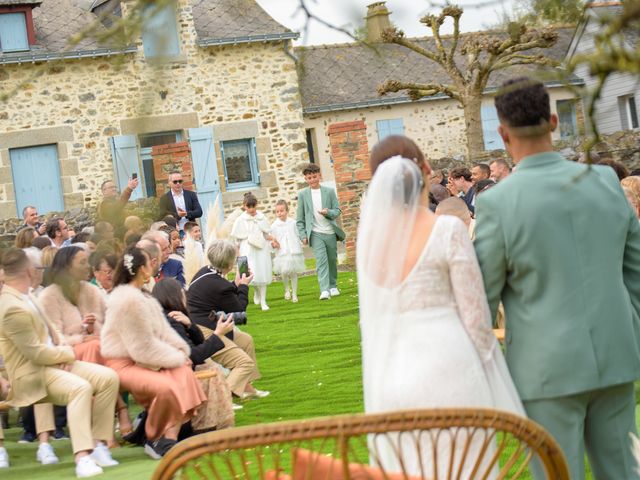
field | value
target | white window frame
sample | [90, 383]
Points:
[633, 122]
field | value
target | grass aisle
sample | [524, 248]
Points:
[309, 357]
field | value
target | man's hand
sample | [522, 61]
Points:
[89, 321]
[132, 183]
[324, 212]
[42, 229]
[224, 326]
[305, 241]
[181, 212]
[65, 366]
[4, 388]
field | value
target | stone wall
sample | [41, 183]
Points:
[350, 153]
[239, 90]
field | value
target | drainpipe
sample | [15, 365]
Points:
[290, 54]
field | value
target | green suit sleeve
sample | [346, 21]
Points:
[490, 249]
[334, 207]
[300, 219]
[18, 327]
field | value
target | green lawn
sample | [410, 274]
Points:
[309, 356]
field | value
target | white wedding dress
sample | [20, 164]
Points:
[426, 337]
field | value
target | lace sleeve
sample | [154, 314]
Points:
[468, 290]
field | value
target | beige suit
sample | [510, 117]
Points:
[33, 351]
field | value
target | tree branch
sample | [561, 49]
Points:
[417, 91]
[517, 59]
[394, 35]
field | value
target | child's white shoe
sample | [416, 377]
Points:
[287, 295]
[294, 298]
[264, 307]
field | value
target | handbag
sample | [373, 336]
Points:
[256, 239]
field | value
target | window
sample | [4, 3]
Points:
[146, 143]
[490, 122]
[567, 119]
[13, 32]
[628, 112]
[389, 127]
[36, 178]
[160, 32]
[240, 163]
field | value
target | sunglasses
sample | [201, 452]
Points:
[177, 182]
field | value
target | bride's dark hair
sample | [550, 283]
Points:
[392, 146]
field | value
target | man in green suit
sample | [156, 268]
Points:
[558, 243]
[318, 209]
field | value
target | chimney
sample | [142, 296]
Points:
[376, 21]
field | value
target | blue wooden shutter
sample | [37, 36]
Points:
[383, 129]
[160, 32]
[490, 122]
[13, 32]
[36, 178]
[205, 171]
[124, 150]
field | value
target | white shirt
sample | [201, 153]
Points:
[179, 201]
[320, 222]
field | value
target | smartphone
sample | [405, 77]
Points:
[134, 175]
[243, 266]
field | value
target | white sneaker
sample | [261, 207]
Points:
[256, 298]
[287, 295]
[237, 407]
[46, 455]
[264, 307]
[334, 292]
[102, 456]
[294, 298]
[325, 295]
[4, 458]
[86, 467]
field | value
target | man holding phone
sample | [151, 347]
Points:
[111, 208]
[182, 204]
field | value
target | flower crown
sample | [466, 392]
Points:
[128, 263]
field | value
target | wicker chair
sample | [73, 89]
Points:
[490, 444]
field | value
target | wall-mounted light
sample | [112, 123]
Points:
[163, 94]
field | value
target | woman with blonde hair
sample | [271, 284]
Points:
[25, 237]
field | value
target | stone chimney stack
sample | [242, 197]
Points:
[376, 21]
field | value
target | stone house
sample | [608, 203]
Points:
[339, 84]
[209, 86]
[619, 103]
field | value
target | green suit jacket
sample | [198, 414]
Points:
[304, 215]
[558, 243]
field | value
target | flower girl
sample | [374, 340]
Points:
[289, 260]
[251, 231]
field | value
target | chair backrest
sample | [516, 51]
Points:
[431, 444]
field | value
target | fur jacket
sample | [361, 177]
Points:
[67, 316]
[135, 327]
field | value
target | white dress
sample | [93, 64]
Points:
[438, 350]
[249, 232]
[289, 259]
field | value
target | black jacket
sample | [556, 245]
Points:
[201, 349]
[191, 203]
[209, 292]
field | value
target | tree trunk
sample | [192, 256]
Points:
[473, 123]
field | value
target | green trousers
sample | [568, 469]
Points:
[598, 420]
[325, 249]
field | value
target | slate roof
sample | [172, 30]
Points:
[4, 3]
[346, 76]
[217, 22]
[614, 10]
[220, 22]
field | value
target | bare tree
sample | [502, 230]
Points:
[483, 54]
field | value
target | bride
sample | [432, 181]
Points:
[426, 330]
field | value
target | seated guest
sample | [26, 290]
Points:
[113, 245]
[177, 250]
[58, 232]
[48, 253]
[150, 358]
[103, 264]
[169, 268]
[41, 242]
[104, 230]
[31, 219]
[134, 224]
[131, 238]
[77, 308]
[41, 369]
[218, 412]
[210, 291]
[25, 237]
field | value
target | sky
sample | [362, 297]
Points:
[349, 14]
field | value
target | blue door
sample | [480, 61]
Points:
[36, 178]
[205, 172]
[124, 149]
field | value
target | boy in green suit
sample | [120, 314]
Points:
[316, 220]
[558, 243]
